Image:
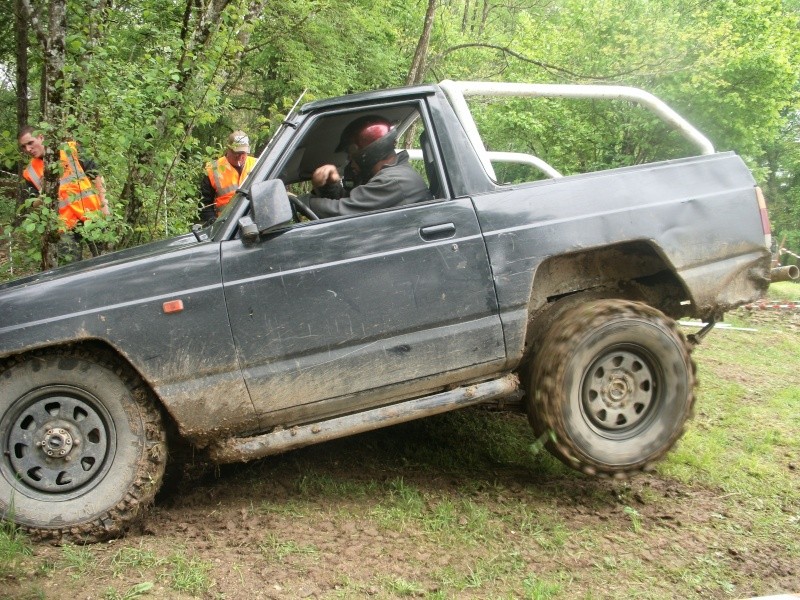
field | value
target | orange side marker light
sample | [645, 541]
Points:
[173, 306]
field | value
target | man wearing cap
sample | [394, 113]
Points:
[223, 176]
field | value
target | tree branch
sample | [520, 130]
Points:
[546, 66]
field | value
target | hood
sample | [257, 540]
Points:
[113, 258]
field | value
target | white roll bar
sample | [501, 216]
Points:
[517, 158]
[457, 90]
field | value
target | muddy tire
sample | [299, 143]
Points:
[613, 386]
[83, 446]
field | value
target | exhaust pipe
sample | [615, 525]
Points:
[788, 273]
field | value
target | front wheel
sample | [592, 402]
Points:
[614, 384]
[83, 446]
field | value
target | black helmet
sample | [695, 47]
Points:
[367, 140]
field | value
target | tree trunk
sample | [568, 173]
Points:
[416, 72]
[53, 41]
[484, 16]
[21, 39]
[207, 17]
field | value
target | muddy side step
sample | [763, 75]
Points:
[251, 448]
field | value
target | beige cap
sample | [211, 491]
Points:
[239, 142]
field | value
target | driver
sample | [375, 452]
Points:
[382, 177]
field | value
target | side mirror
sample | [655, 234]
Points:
[271, 205]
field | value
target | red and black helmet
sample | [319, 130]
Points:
[367, 140]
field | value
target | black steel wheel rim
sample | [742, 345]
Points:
[620, 391]
[58, 442]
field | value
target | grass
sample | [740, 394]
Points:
[784, 290]
[77, 560]
[129, 559]
[742, 432]
[14, 550]
[536, 588]
[82, 564]
[400, 587]
[135, 591]
[313, 483]
[275, 548]
[188, 574]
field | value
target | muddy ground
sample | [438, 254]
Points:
[417, 511]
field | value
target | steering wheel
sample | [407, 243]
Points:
[302, 208]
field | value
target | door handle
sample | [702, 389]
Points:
[437, 232]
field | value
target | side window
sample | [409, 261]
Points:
[365, 147]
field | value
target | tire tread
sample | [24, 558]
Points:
[546, 397]
[115, 521]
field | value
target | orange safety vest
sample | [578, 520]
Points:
[225, 179]
[76, 194]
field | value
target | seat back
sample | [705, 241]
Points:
[428, 157]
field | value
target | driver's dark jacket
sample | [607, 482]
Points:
[393, 185]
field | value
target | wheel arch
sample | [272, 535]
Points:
[631, 271]
[106, 351]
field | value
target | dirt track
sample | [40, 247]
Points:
[371, 516]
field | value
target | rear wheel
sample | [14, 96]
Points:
[614, 383]
[83, 446]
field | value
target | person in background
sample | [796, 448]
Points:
[382, 177]
[81, 190]
[223, 176]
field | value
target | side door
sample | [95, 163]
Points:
[333, 311]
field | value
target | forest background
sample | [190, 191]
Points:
[150, 90]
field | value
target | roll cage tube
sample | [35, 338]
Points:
[456, 92]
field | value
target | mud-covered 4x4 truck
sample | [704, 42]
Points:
[271, 329]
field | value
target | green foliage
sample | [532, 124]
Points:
[8, 146]
[748, 80]
[781, 164]
[14, 548]
[151, 90]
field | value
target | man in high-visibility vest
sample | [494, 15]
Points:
[81, 190]
[222, 177]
